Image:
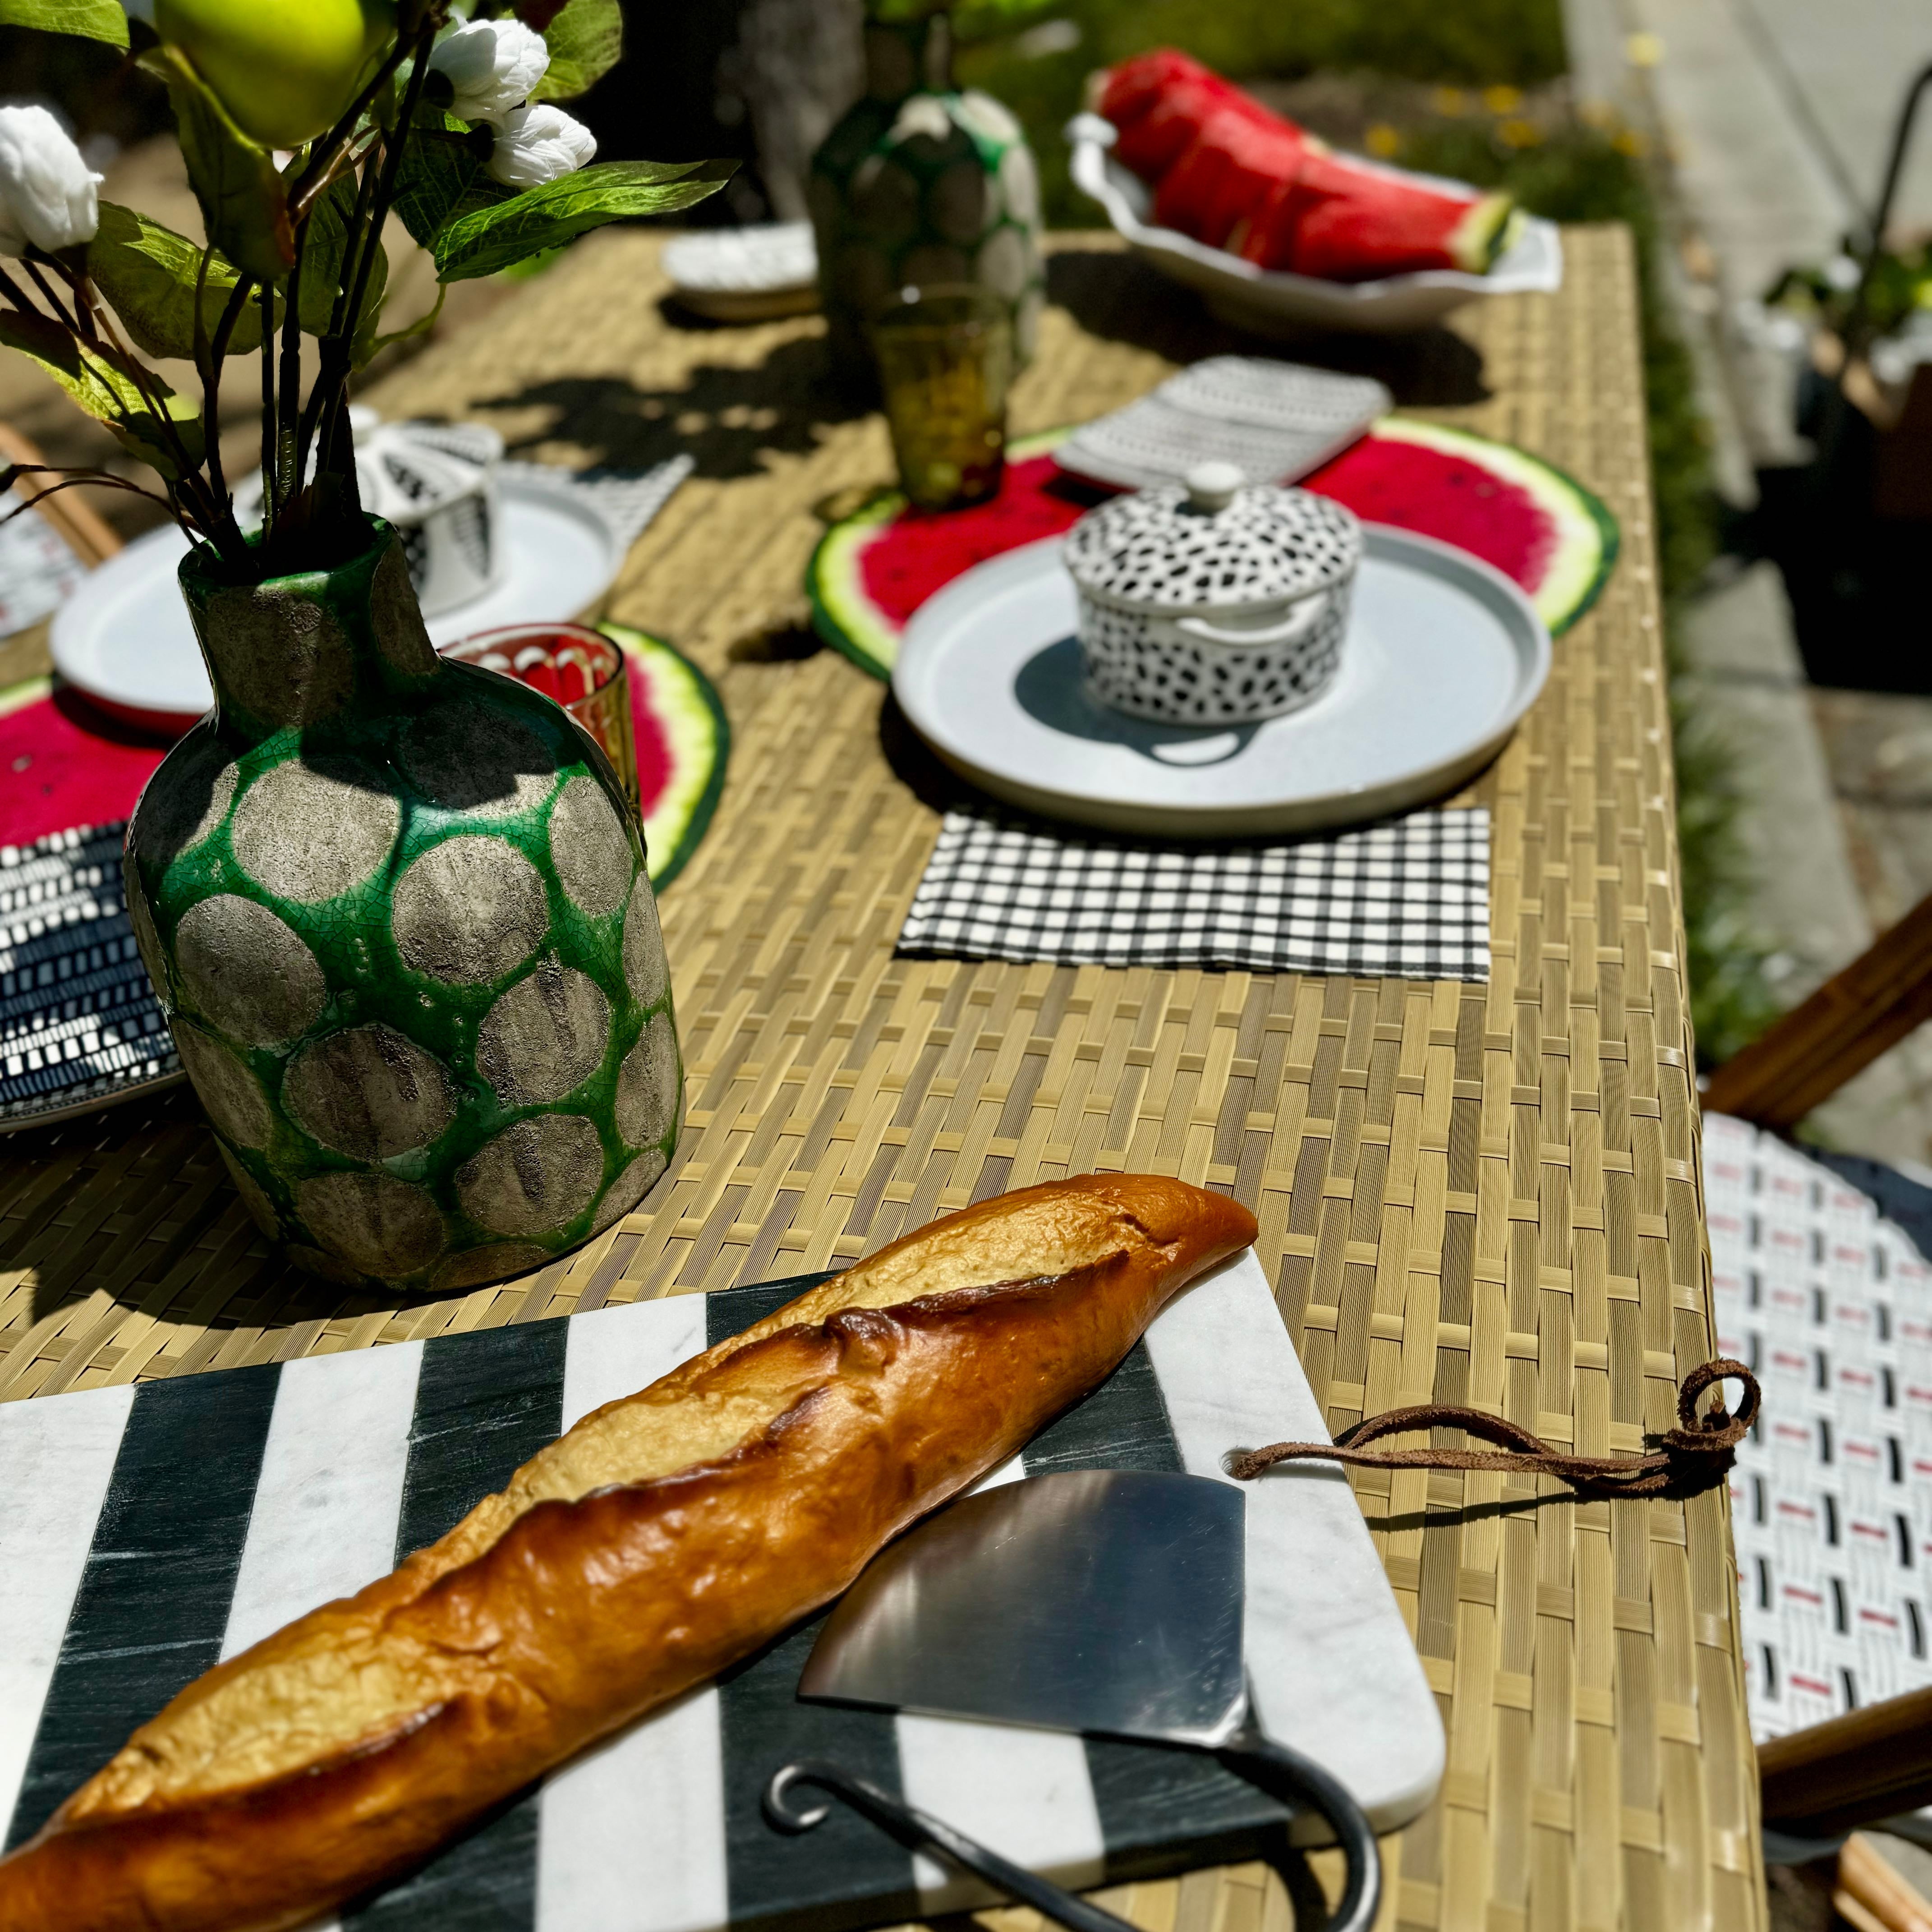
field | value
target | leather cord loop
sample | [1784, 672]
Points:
[1695, 1455]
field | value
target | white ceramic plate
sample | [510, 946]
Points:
[1270, 302]
[1443, 656]
[124, 639]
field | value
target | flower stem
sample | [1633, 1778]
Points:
[227, 533]
[317, 411]
[101, 479]
[335, 451]
[17, 295]
[322, 159]
[265, 298]
[53, 301]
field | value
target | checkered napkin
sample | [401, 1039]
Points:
[1409, 898]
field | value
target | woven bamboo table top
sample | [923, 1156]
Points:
[1470, 1194]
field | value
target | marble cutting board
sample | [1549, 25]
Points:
[150, 1532]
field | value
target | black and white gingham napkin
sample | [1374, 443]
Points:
[1409, 898]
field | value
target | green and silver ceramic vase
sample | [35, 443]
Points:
[920, 184]
[397, 913]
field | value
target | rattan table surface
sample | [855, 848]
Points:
[1474, 1194]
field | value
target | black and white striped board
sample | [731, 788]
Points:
[148, 1532]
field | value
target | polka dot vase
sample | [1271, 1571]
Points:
[920, 184]
[397, 913]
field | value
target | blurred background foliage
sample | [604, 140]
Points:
[1036, 59]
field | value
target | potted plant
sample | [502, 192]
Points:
[395, 909]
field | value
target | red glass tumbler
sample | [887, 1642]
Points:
[581, 668]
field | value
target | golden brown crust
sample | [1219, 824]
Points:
[605, 1580]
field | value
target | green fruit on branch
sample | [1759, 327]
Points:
[284, 69]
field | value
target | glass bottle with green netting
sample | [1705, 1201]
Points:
[921, 185]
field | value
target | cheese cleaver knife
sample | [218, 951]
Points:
[1107, 1602]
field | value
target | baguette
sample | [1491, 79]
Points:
[665, 1536]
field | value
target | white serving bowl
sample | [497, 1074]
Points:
[1272, 303]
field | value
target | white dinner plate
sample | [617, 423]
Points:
[746, 274]
[1272, 303]
[123, 638]
[1443, 656]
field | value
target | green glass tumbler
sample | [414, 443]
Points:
[946, 358]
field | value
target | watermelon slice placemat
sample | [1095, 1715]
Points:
[1541, 528]
[683, 741]
[63, 764]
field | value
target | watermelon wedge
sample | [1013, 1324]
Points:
[1233, 169]
[1349, 220]
[1542, 529]
[1229, 171]
[1158, 102]
[66, 764]
[683, 740]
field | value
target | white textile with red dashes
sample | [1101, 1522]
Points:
[1831, 1306]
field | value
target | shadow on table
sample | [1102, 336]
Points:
[81, 1187]
[938, 786]
[1121, 298]
[725, 418]
[728, 418]
[1457, 1517]
[920, 769]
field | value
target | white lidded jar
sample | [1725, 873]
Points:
[1219, 602]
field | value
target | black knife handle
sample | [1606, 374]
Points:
[918, 1830]
[1303, 1785]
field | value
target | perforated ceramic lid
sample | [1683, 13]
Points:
[1215, 543]
[405, 470]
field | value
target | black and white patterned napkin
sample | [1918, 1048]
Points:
[1409, 898]
[78, 1019]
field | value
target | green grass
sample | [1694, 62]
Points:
[1731, 999]
[1470, 42]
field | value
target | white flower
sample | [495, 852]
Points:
[492, 65]
[536, 145]
[48, 194]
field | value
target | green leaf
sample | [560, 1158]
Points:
[148, 272]
[491, 238]
[243, 200]
[440, 178]
[99, 380]
[328, 228]
[586, 41]
[91, 20]
[423, 324]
